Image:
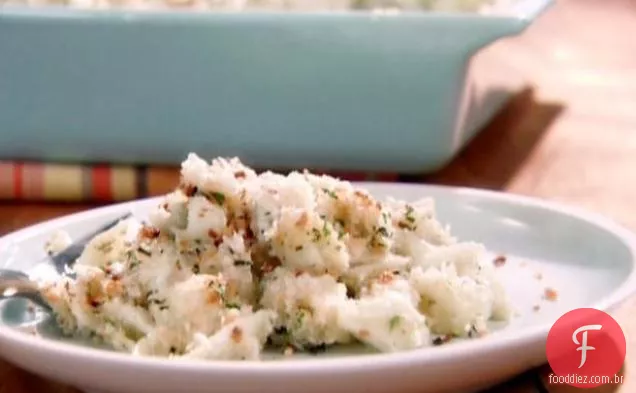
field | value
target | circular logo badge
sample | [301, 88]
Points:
[585, 349]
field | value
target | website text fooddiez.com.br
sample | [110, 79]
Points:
[585, 379]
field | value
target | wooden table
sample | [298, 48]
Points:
[569, 136]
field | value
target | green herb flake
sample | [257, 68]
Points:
[133, 261]
[161, 303]
[394, 322]
[233, 305]
[220, 289]
[242, 262]
[144, 251]
[105, 247]
[340, 227]
[300, 319]
[330, 193]
[196, 269]
[410, 214]
[386, 218]
[383, 231]
[158, 302]
[316, 234]
[325, 230]
[218, 197]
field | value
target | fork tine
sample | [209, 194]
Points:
[86, 238]
[67, 257]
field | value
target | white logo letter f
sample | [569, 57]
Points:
[584, 347]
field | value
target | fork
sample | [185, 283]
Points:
[14, 283]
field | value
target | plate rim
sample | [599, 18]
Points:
[364, 363]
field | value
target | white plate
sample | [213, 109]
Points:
[587, 259]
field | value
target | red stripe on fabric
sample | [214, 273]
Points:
[33, 181]
[101, 183]
[17, 180]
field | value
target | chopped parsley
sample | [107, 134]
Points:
[316, 234]
[105, 247]
[409, 214]
[325, 230]
[383, 231]
[340, 227]
[218, 287]
[299, 317]
[242, 262]
[408, 222]
[161, 303]
[386, 217]
[144, 251]
[233, 305]
[330, 193]
[218, 197]
[394, 322]
[196, 269]
[377, 239]
[133, 261]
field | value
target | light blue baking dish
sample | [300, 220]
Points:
[347, 91]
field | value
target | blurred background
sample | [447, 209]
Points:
[565, 130]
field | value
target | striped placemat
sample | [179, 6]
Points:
[42, 181]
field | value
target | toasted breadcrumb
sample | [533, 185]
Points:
[237, 334]
[499, 260]
[550, 294]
